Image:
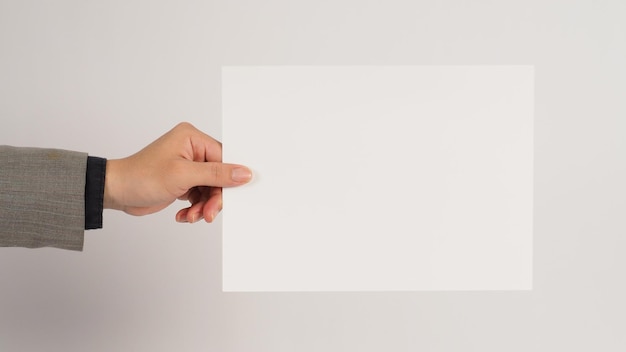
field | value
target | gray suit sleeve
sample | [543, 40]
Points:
[42, 198]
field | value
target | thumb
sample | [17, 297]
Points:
[215, 174]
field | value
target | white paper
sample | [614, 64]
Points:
[379, 178]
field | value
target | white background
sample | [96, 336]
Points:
[108, 77]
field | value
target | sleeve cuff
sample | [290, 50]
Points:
[94, 192]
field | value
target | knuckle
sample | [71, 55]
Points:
[216, 171]
[184, 126]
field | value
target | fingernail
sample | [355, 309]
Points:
[241, 174]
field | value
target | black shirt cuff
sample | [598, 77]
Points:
[94, 192]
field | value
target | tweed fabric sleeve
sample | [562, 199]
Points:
[42, 197]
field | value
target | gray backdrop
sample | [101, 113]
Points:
[107, 77]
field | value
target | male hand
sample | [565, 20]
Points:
[183, 164]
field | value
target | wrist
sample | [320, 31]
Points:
[111, 185]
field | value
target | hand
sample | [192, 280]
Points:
[183, 164]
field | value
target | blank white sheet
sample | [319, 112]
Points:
[379, 178]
